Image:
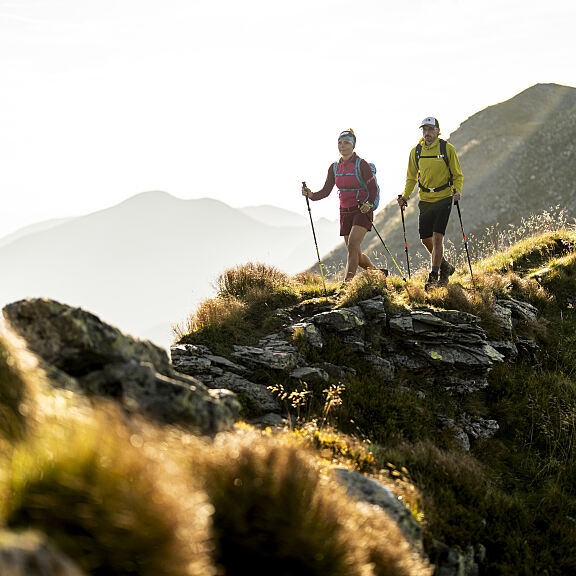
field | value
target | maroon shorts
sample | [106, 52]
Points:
[353, 217]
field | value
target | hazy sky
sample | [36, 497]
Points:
[242, 100]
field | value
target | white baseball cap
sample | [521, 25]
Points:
[430, 121]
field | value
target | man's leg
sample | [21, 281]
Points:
[435, 246]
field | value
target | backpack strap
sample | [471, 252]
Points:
[444, 155]
[360, 179]
[417, 153]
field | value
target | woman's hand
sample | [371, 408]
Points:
[366, 207]
[306, 191]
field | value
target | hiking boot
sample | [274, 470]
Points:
[432, 282]
[446, 270]
[384, 271]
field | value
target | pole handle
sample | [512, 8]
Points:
[307, 199]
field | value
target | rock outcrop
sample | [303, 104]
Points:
[419, 349]
[78, 351]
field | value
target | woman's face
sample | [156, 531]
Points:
[345, 148]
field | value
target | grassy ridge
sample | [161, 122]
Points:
[122, 496]
[514, 494]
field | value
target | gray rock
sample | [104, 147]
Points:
[384, 368]
[369, 490]
[519, 309]
[310, 332]
[423, 321]
[337, 372]
[457, 317]
[340, 320]
[199, 361]
[374, 309]
[256, 399]
[103, 361]
[310, 374]
[29, 553]
[275, 360]
[75, 340]
[504, 316]
[402, 325]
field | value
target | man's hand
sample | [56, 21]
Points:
[402, 202]
[305, 190]
[456, 196]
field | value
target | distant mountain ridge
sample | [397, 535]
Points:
[518, 159]
[144, 264]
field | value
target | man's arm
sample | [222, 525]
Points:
[411, 175]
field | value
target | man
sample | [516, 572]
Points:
[434, 166]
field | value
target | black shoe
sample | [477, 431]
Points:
[384, 271]
[432, 282]
[446, 270]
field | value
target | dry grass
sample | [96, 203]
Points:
[240, 280]
[300, 521]
[98, 491]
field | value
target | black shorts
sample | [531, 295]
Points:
[434, 217]
[353, 217]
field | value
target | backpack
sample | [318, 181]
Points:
[443, 155]
[358, 174]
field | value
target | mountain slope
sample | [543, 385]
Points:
[517, 158]
[149, 260]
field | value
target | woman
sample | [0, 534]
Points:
[356, 203]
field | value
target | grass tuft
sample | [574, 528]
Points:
[275, 513]
[99, 499]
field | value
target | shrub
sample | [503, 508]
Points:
[274, 513]
[384, 412]
[218, 323]
[239, 281]
[454, 486]
[364, 286]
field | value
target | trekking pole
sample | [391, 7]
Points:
[315, 242]
[405, 243]
[464, 238]
[383, 244]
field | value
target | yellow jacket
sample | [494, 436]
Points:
[433, 172]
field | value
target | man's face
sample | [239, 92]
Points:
[430, 134]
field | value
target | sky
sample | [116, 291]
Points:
[242, 101]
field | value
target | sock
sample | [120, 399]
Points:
[434, 272]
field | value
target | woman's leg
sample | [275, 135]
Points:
[355, 257]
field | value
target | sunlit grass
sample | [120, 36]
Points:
[86, 484]
[301, 522]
